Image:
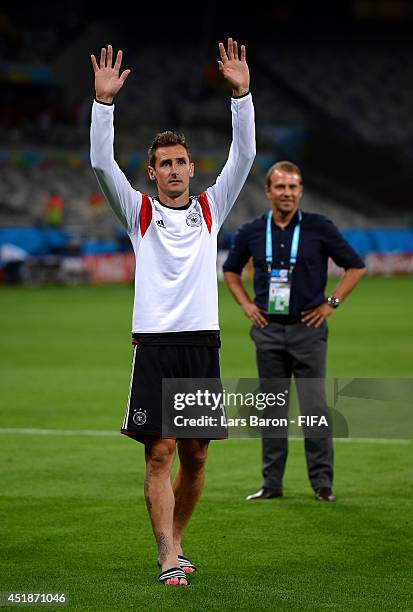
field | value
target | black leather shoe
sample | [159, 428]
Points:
[263, 494]
[325, 494]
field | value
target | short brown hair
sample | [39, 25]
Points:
[286, 166]
[166, 139]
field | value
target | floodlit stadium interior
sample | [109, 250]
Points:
[333, 96]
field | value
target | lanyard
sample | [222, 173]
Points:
[294, 243]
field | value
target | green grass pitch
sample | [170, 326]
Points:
[72, 514]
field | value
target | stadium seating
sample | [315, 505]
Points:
[357, 87]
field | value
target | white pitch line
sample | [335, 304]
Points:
[375, 440]
[107, 432]
[401, 441]
[57, 432]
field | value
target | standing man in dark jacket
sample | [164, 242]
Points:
[290, 250]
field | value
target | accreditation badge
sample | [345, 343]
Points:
[279, 292]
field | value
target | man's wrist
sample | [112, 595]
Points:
[106, 101]
[245, 303]
[334, 302]
[240, 92]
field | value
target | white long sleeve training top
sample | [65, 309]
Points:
[175, 276]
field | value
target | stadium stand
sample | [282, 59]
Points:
[338, 108]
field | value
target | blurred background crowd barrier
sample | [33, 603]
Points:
[333, 92]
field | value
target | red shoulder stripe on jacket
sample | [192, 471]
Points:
[206, 210]
[145, 215]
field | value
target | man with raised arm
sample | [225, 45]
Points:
[175, 330]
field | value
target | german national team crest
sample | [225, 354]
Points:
[139, 418]
[194, 219]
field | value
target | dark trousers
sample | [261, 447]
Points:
[283, 350]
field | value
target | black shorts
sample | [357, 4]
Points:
[151, 364]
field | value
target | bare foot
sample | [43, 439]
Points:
[180, 582]
[169, 564]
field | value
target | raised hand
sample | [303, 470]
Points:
[107, 79]
[234, 68]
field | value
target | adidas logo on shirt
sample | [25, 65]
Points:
[160, 223]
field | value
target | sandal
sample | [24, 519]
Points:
[173, 573]
[184, 564]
